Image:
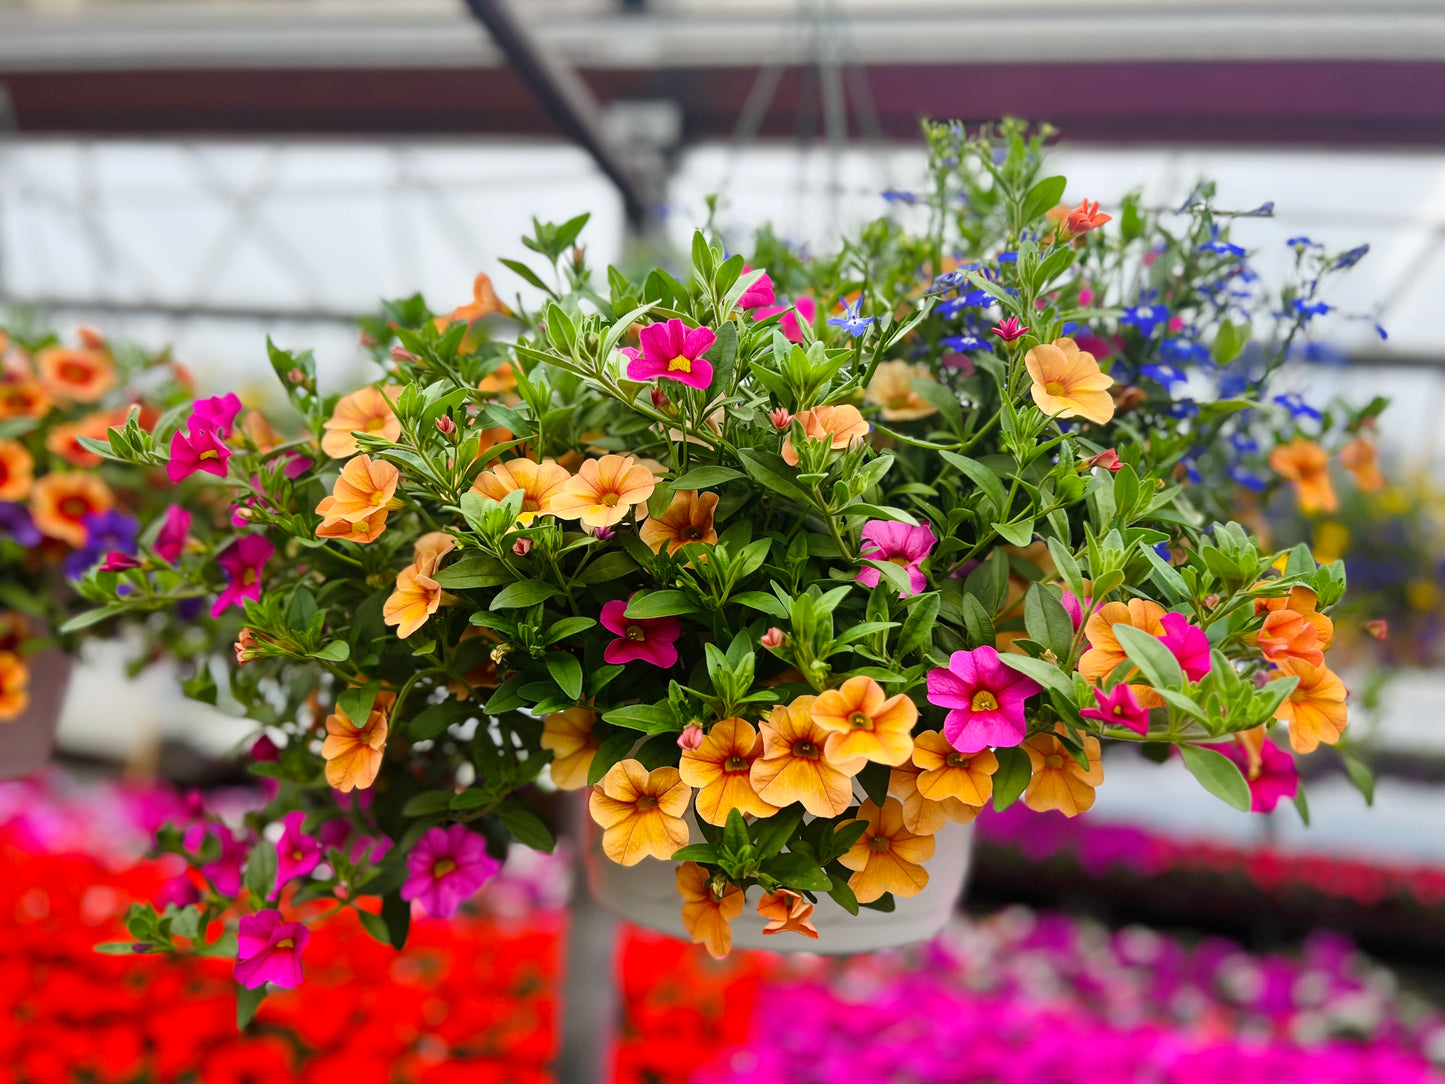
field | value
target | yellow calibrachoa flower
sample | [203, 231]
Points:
[839, 425]
[571, 737]
[353, 753]
[793, 767]
[603, 490]
[363, 530]
[689, 518]
[1068, 383]
[1105, 652]
[1058, 781]
[539, 483]
[892, 389]
[887, 857]
[864, 721]
[709, 905]
[366, 411]
[417, 595]
[721, 769]
[947, 773]
[641, 812]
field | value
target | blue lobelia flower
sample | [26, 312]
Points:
[850, 321]
[1223, 248]
[1145, 317]
[1303, 242]
[1310, 309]
[1184, 351]
[962, 344]
[1297, 407]
[1350, 258]
[894, 195]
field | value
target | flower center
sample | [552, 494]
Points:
[805, 749]
[736, 764]
[900, 560]
[442, 867]
[646, 802]
[983, 700]
[285, 943]
[956, 760]
[249, 576]
[859, 721]
[1056, 387]
[375, 425]
[609, 499]
[635, 633]
[378, 498]
[690, 534]
[680, 364]
[74, 373]
[880, 843]
[1053, 760]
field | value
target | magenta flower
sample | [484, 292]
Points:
[175, 528]
[198, 451]
[1119, 707]
[447, 865]
[1273, 778]
[899, 544]
[805, 307]
[115, 561]
[640, 639]
[1188, 644]
[243, 560]
[269, 950]
[297, 854]
[1010, 329]
[217, 414]
[758, 294]
[263, 750]
[672, 350]
[1074, 607]
[369, 849]
[985, 699]
[224, 872]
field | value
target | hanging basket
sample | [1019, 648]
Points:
[28, 740]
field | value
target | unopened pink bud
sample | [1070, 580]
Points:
[522, 546]
[296, 376]
[659, 399]
[401, 353]
[445, 425]
[691, 736]
[781, 418]
[773, 638]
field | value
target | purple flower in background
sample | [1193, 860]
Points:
[16, 524]
[105, 532]
[269, 950]
[1221, 248]
[447, 865]
[217, 414]
[1297, 407]
[1309, 309]
[1350, 258]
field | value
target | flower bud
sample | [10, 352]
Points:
[445, 426]
[90, 337]
[780, 418]
[1108, 459]
[659, 399]
[691, 736]
[246, 648]
[402, 354]
[296, 376]
[773, 639]
[1211, 601]
[522, 546]
[263, 748]
[1378, 628]
[603, 533]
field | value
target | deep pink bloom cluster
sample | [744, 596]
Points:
[673, 351]
[1187, 643]
[985, 699]
[269, 950]
[651, 640]
[805, 308]
[447, 865]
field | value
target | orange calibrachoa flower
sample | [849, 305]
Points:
[1085, 217]
[572, 738]
[80, 376]
[353, 753]
[1303, 601]
[793, 767]
[366, 411]
[17, 471]
[14, 630]
[363, 530]
[1290, 635]
[539, 483]
[924, 815]
[864, 721]
[1068, 382]
[1105, 652]
[417, 595]
[787, 912]
[687, 519]
[365, 487]
[709, 905]
[23, 398]
[484, 302]
[840, 425]
[62, 439]
[1306, 464]
[640, 812]
[892, 389]
[500, 381]
[721, 768]
[603, 490]
[1360, 458]
[14, 686]
[1059, 782]
[60, 501]
[1315, 710]
[887, 857]
[947, 773]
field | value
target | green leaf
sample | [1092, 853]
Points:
[523, 593]
[396, 913]
[474, 572]
[1046, 194]
[1013, 774]
[917, 632]
[568, 626]
[977, 622]
[434, 720]
[696, 852]
[1166, 576]
[247, 1002]
[772, 834]
[874, 781]
[1217, 774]
[1020, 534]
[1155, 661]
[1301, 804]
[1045, 673]
[609, 753]
[842, 894]
[649, 718]
[761, 600]
[566, 671]
[525, 273]
[356, 702]
[705, 477]
[982, 477]
[526, 827]
[375, 925]
[798, 871]
[666, 603]
[428, 803]
[260, 876]
[93, 617]
[335, 651]
[876, 511]
[770, 472]
[1047, 621]
[608, 567]
[1360, 775]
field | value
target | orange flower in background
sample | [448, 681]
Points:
[17, 471]
[603, 490]
[363, 530]
[787, 912]
[1059, 781]
[892, 389]
[81, 376]
[1068, 382]
[62, 439]
[484, 302]
[709, 905]
[14, 686]
[924, 815]
[641, 812]
[839, 425]
[1289, 635]
[1105, 653]
[353, 753]
[365, 487]
[366, 411]
[23, 398]
[14, 630]
[687, 519]
[864, 721]
[539, 483]
[721, 768]
[887, 857]
[429, 549]
[572, 738]
[1361, 459]
[1306, 464]
[1315, 710]
[499, 382]
[793, 767]
[947, 773]
[59, 503]
[1085, 217]
[256, 429]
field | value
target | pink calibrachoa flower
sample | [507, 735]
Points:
[899, 544]
[243, 561]
[1075, 607]
[297, 854]
[447, 865]
[175, 528]
[691, 737]
[269, 950]
[805, 307]
[225, 871]
[217, 414]
[1269, 770]
[759, 293]
[1119, 707]
[115, 561]
[985, 699]
[640, 639]
[674, 351]
[200, 450]
[1010, 329]
[1188, 644]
